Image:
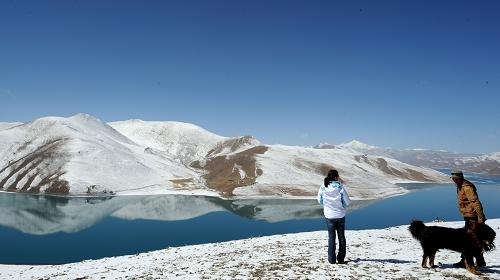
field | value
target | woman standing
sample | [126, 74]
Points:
[334, 198]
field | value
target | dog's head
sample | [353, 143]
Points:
[486, 236]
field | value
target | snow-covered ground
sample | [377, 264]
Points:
[374, 254]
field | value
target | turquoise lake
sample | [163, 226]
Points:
[53, 230]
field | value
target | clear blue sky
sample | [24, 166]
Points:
[404, 74]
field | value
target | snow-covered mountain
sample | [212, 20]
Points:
[181, 141]
[297, 171]
[78, 155]
[5, 125]
[83, 155]
[489, 163]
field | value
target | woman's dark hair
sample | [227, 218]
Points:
[332, 176]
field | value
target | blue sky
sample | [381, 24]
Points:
[403, 74]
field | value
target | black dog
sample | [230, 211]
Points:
[433, 238]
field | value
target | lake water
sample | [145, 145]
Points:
[53, 230]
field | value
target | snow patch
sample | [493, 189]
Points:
[240, 170]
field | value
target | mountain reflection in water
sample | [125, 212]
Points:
[38, 214]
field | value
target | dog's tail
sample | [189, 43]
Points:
[417, 229]
[487, 235]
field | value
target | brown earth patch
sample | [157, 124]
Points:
[231, 144]
[409, 174]
[222, 175]
[324, 168]
[416, 176]
[383, 166]
[319, 168]
[182, 182]
[48, 156]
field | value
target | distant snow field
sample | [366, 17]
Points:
[389, 253]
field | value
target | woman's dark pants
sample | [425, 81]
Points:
[336, 227]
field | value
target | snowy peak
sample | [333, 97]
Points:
[158, 134]
[184, 141]
[80, 125]
[358, 145]
[85, 117]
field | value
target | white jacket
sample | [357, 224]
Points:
[334, 199]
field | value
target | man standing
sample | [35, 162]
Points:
[471, 209]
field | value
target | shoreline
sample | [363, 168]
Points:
[210, 193]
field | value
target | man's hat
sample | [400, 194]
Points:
[457, 174]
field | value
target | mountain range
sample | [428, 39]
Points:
[81, 155]
[478, 163]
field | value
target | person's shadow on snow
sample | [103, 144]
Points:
[488, 269]
[383, 261]
[492, 266]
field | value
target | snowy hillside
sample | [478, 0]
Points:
[4, 125]
[488, 163]
[183, 141]
[295, 169]
[83, 155]
[389, 253]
